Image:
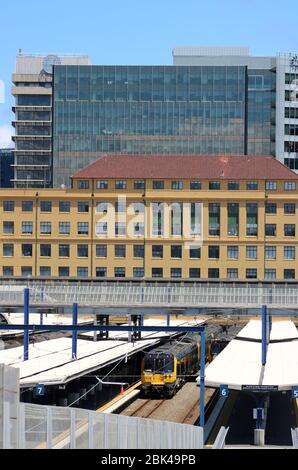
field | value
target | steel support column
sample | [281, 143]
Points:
[74, 331]
[26, 322]
[202, 379]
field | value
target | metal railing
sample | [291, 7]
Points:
[53, 427]
[172, 295]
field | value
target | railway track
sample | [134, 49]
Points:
[184, 407]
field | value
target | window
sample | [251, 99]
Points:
[214, 219]
[8, 227]
[251, 273]
[271, 185]
[101, 272]
[120, 228]
[83, 184]
[120, 251]
[138, 251]
[251, 252]
[64, 228]
[45, 271]
[157, 251]
[290, 185]
[177, 184]
[120, 205]
[158, 184]
[232, 273]
[82, 271]
[64, 251]
[157, 272]
[119, 272]
[102, 207]
[101, 228]
[233, 219]
[252, 185]
[138, 207]
[289, 208]
[7, 270]
[63, 271]
[27, 228]
[194, 272]
[213, 273]
[82, 251]
[83, 206]
[270, 230]
[83, 228]
[138, 272]
[45, 250]
[270, 252]
[102, 184]
[176, 218]
[194, 252]
[176, 251]
[176, 272]
[45, 206]
[270, 208]
[213, 251]
[252, 219]
[157, 218]
[120, 184]
[139, 184]
[8, 206]
[8, 249]
[289, 230]
[27, 206]
[232, 252]
[233, 185]
[26, 249]
[138, 228]
[64, 206]
[46, 228]
[214, 185]
[101, 251]
[289, 252]
[270, 273]
[26, 271]
[195, 185]
[289, 273]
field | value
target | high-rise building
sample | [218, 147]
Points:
[284, 109]
[216, 109]
[6, 167]
[212, 100]
[32, 90]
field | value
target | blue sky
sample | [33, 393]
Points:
[138, 31]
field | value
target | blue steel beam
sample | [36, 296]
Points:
[74, 332]
[26, 321]
[132, 329]
[202, 380]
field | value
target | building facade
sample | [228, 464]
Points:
[6, 167]
[32, 89]
[284, 112]
[157, 217]
[207, 109]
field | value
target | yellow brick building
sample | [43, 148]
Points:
[161, 217]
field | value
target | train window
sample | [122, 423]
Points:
[149, 363]
[3, 320]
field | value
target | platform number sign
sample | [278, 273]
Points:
[224, 391]
[295, 392]
[39, 390]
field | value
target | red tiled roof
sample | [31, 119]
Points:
[248, 167]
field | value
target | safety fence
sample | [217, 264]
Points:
[53, 427]
[173, 295]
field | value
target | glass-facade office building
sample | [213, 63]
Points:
[159, 110]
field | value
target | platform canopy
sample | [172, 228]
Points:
[239, 365]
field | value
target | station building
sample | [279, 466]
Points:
[157, 217]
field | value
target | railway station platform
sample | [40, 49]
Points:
[51, 363]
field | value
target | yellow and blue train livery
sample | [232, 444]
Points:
[165, 368]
